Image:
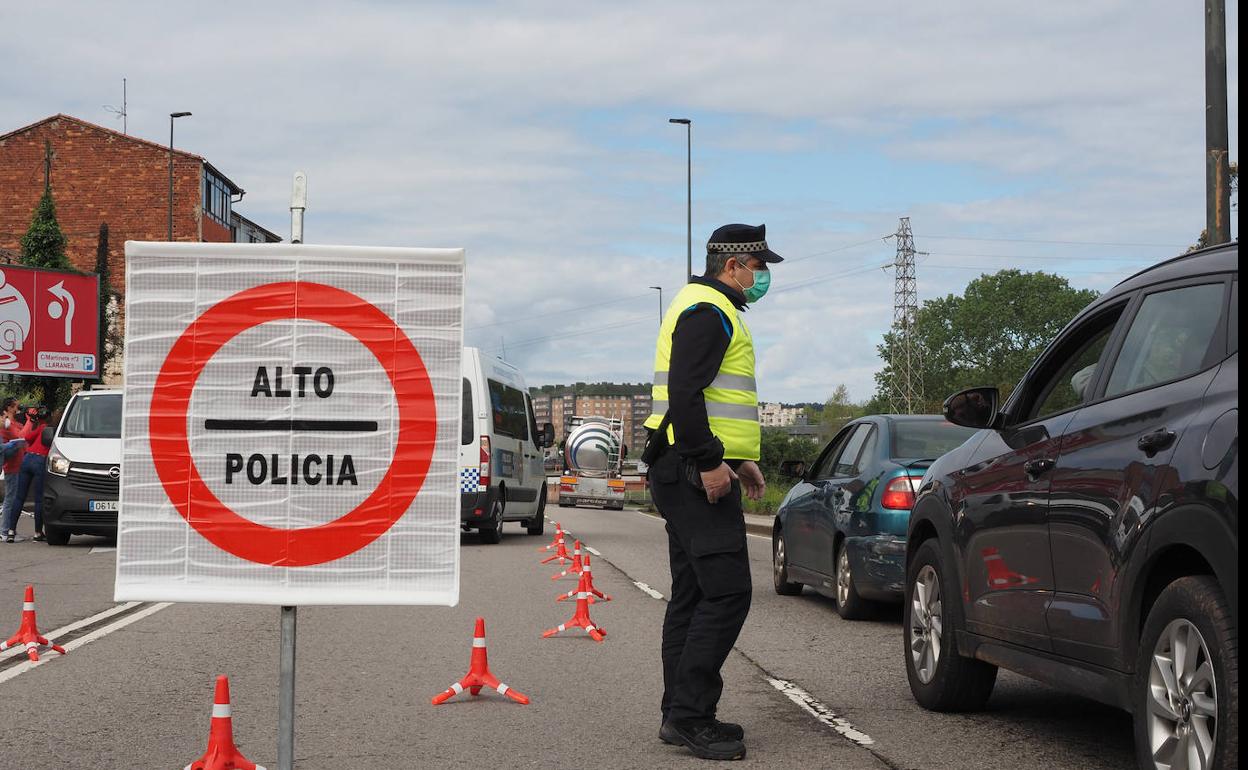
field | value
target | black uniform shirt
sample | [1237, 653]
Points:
[699, 343]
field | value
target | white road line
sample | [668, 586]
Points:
[98, 633]
[77, 624]
[821, 712]
[102, 549]
[593, 550]
[648, 590]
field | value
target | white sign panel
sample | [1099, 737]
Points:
[291, 424]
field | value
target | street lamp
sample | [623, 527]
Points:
[688, 124]
[172, 116]
[660, 290]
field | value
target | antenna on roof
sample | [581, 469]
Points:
[121, 113]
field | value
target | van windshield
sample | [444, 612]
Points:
[93, 416]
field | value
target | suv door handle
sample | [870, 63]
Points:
[1037, 468]
[1152, 443]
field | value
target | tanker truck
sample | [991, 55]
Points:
[593, 458]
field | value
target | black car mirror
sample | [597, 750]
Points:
[548, 434]
[973, 408]
[794, 469]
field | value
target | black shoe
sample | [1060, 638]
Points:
[730, 730]
[708, 741]
[39, 538]
[10, 536]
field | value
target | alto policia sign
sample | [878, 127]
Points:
[291, 424]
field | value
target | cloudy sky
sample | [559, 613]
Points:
[1065, 136]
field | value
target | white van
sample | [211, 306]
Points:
[502, 475]
[83, 479]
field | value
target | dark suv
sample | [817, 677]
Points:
[1088, 535]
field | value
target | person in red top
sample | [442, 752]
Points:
[14, 448]
[34, 463]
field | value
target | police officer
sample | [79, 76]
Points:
[706, 410]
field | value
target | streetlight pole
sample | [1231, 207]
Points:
[172, 116]
[688, 124]
[660, 290]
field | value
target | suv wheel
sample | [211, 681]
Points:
[494, 533]
[940, 678]
[780, 567]
[537, 524]
[1187, 680]
[55, 535]
[849, 604]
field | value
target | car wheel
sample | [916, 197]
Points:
[1187, 680]
[940, 678]
[55, 535]
[849, 604]
[780, 567]
[537, 524]
[493, 534]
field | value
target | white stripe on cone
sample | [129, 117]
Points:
[28, 606]
[220, 711]
[478, 642]
[502, 688]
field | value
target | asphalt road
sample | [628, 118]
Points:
[140, 695]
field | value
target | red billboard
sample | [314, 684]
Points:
[49, 323]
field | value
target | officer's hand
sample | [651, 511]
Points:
[717, 482]
[752, 482]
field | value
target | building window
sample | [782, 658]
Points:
[216, 198]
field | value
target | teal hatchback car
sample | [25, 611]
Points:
[842, 528]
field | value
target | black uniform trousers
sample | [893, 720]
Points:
[711, 588]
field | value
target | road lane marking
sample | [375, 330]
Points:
[593, 550]
[648, 590]
[98, 633]
[103, 549]
[821, 712]
[77, 624]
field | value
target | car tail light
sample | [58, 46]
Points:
[899, 493]
[616, 483]
[485, 461]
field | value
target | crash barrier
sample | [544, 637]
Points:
[479, 674]
[28, 631]
[222, 754]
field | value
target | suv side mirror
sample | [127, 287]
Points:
[548, 434]
[973, 408]
[794, 469]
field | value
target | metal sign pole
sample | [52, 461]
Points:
[289, 616]
[286, 692]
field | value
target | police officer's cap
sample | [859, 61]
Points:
[742, 239]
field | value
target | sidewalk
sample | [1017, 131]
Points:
[755, 524]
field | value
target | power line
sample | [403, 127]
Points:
[559, 312]
[1083, 258]
[1063, 243]
[578, 333]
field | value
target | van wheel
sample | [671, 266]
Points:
[1187, 680]
[494, 534]
[941, 679]
[55, 535]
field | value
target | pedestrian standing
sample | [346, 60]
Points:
[34, 463]
[706, 412]
[13, 447]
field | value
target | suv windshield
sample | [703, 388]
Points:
[922, 439]
[93, 416]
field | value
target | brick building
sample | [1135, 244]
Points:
[99, 175]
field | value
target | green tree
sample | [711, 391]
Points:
[987, 336]
[838, 410]
[43, 245]
[778, 446]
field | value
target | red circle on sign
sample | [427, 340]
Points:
[170, 442]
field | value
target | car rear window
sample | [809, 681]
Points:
[466, 432]
[927, 439]
[93, 416]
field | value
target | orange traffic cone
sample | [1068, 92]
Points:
[594, 594]
[222, 754]
[580, 619]
[28, 632]
[479, 675]
[561, 553]
[554, 543]
[576, 567]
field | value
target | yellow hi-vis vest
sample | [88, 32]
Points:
[732, 398]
